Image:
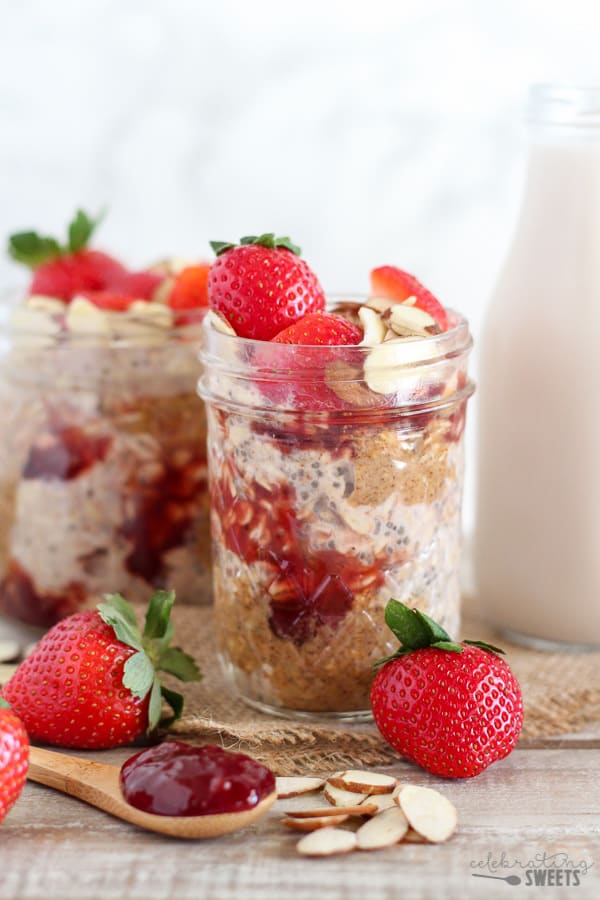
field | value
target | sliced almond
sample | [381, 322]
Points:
[359, 782]
[429, 812]
[339, 797]
[327, 842]
[293, 786]
[43, 303]
[383, 830]
[84, 318]
[413, 837]
[379, 802]
[361, 809]
[9, 650]
[373, 327]
[402, 318]
[219, 322]
[379, 304]
[313, 823]
[6, 672]
[347, 382]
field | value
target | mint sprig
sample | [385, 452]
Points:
[33, 249]
[269, 240]
[415, 631]
[154, 653]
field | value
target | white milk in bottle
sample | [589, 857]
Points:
[537, 547]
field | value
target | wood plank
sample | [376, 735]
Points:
[536, 801]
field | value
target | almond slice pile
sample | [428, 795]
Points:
[394, 813]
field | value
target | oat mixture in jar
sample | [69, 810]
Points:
[336, 479]
[103, 474]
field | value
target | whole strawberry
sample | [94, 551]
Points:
[262, 285]
[14, 758]
[92, 681]
[65, 270]
[452, 708]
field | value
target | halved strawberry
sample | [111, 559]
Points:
[394, 284]
[190, 290]
[320, 328]
[109, 300]
[140, 285]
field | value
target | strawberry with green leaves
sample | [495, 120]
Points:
[14, 757]
[262, 285]
[452, 708]
[93, 680]
[70, 269]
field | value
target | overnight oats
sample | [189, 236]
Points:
[103, 474]
[336, 468]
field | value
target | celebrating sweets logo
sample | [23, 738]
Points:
[541, 870]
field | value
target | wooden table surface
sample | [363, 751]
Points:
[541, 801]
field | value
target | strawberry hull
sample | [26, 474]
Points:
[320, 514]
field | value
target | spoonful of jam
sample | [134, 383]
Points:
[174, 788]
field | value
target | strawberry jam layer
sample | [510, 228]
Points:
[309, 588]
[176, 779]
[64, 452]
[20, 599]
[163, 513]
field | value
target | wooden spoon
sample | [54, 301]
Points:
[98, 784]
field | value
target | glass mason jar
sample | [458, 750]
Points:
[329, 498]
[103, 481]
[537, 563]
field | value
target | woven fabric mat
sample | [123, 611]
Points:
[561, 693]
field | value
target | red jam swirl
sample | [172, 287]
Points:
[309, 588]
[176, 779]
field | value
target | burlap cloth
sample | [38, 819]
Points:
[561, 693]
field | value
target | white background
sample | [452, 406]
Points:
[373, 132]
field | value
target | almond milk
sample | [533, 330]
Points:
[537, 553]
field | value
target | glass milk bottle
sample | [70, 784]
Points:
[537, 549]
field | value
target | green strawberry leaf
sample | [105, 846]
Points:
[268, 240]
[122, 627]
[81, 230]
[32, 249]
[436, 631]
[385, 659]
[4, 704]
[154, 706]
[118, 602]
[180, 664]
[175, 701]
[287, 243]
[220, 247]
[158, 614]
[483, 645]
[410, 630]
[138, 674]
[450, 646]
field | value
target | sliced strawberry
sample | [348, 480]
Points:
[140, 285]
[67, 276]
[190, 290]
[109, 301]
[394, 284]
[320, 328]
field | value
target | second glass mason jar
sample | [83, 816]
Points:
[329, 498]
[103, 477]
